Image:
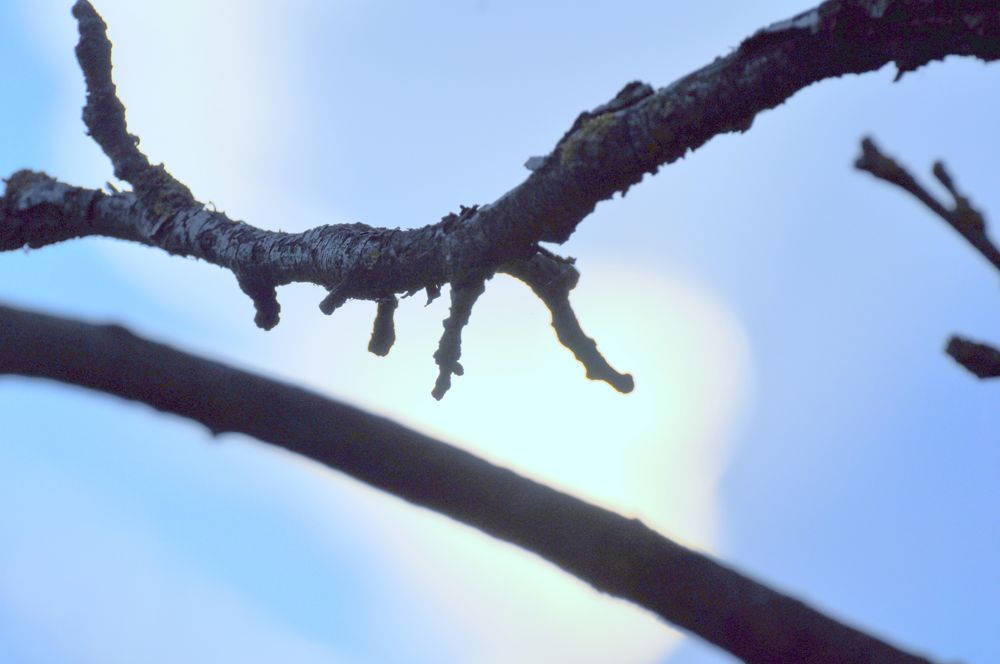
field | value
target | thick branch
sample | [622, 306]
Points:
[607, 150]
[618, 556]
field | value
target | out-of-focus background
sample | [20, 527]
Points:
[784, 316]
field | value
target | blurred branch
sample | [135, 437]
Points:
[606, 150]
[980, 359]
[618, 556]
[965, 219]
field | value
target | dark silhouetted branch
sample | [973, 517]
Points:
[618, 556]
[463, 298]
[965, 219]
[552, 280]
[980, 359]
[384, 329]
[606, 150]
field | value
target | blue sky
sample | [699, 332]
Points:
[783, 314]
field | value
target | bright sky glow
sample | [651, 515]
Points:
[656, 453]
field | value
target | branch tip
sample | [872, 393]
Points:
[264, 297]
[551, 278]
[463, 298]
[980, 359]
[384, 329]
[333, 301]
[961, 216]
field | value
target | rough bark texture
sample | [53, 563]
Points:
[607, 150]
[618, 556]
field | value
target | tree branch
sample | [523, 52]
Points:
[551, 278]
[980, 359]
[618, 556]
[607, 150]
[965, 219]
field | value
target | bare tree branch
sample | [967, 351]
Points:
[618, 556]
[607, 150]
[384, 329]
[552, 280]
[980, 359]
[965, 219]
[463, 298]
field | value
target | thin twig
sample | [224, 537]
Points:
[965, 219]
[449, 351]
[980, 359]
[552, 280]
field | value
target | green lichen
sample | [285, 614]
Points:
[592, 131]
[164, 196]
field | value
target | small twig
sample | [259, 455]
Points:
[104, 116]
[551, 278]
[450, 347]
[965, 219]
[980, 359]
[384, 330]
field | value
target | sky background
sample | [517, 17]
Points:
[783, 314]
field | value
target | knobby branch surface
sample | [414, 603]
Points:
[980, 359]
[618, 556]
[607, 150]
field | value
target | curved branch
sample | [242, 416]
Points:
[607, 150]
[618, 556]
